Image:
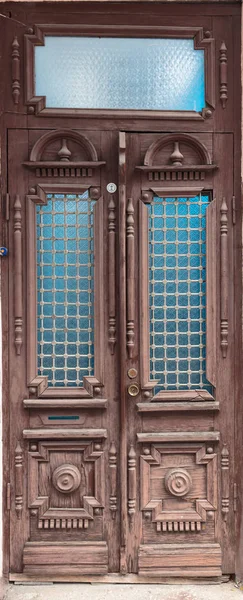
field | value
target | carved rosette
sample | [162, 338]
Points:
[178, 482]
[66, 478]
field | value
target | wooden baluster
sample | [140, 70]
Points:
[131, 483]
[15, 71]
[111, 269]
[223, 74]
[113, 479]
[130, 278]
[18, 480]
[225, 481]
[18, 300]
[224, 277]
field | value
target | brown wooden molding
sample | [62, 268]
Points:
[225, 481]
[224, 324]
[112, 273]
[211, 293]
[147, 384]
[179, 436]
[45, 434]
[131, 483]
[113, 479]
[15, 71]
[18, 480]
[130, 278]
[18, 275]
[70, 403]
[37, 104]
[223, 62]
[146, 407]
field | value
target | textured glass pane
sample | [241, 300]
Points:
[177, 286]
[120, 73]
[65, 268]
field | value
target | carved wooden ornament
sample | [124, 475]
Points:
[15, 71]
[18, 299]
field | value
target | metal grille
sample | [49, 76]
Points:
[65, 264]
[177, 282]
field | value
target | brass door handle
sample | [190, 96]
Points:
[133, 389]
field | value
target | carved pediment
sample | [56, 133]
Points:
[177, 157]
[63, 153]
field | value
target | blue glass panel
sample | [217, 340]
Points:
[120, 73]
[65, 289]
[178, 294]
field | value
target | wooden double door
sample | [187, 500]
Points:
[121, 328]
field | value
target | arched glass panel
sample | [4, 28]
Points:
[120, 73]
[65, 289]
[177, 286]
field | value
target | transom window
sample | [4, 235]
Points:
[120, 73]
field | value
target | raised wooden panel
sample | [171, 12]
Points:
[180, 560]
[66, 485]
[73, 557]
[178, 486]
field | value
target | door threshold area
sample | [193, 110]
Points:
[114, 578]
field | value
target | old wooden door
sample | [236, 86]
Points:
[123, 321]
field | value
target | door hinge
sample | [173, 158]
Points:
[8, 496]
[233, 211]
[235, 497]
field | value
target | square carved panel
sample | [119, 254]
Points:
[178, 485]
[66, 483]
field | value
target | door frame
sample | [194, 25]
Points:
[21, 115]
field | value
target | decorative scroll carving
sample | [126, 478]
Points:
[15, 71]
[224, 277]
[111, 268]
[225, 481]
[131, 482]
[18, 480]
[113, 479]
[178, 482]
[66, 478]
[223, 74]
[130, 278]
[18, 300]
